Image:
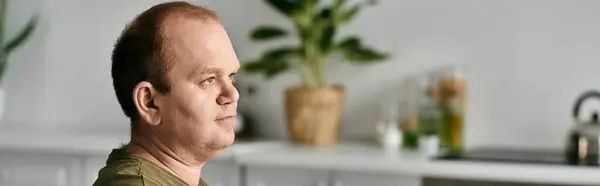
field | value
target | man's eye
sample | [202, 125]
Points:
[232, 76]
[209, 80]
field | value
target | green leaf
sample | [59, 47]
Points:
[355, 52]
[263, 33]
[324, 29]
[283, 53]
[22, 36]
[267, 68]
[339, 4]
[348, 15]
[350, 43]
[253, 67]
[302, 20]
[327, 38]
[276, 68]
[272, 62]
[286, 7]
[308, 4]
[311, 34]
[324, 15]
[364, 55]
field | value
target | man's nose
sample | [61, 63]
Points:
[229, 94]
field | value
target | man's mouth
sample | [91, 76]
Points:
[226, 118]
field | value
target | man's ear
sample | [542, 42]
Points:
[144, 96]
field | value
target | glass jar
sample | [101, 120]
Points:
[410, 133]
[451, 102]
[408, 114]
[428, 116]
[427, 107]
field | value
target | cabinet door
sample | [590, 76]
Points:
[375, 179]
[221, 173]
[25, 169]
[271, 176]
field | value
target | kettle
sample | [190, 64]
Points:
[583, 140]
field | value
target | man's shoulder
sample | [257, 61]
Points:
[120, 173]
[125, 169]
[129, 172]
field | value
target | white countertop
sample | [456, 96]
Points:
[368, 158]
[344, 157]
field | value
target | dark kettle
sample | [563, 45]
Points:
[583, 139]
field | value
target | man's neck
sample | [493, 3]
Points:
[155, 151]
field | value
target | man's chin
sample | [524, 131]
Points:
[224, 141]
[228, 137]
[229, 141]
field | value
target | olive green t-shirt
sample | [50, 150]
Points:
[125, 169]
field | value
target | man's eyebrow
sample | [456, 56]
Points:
[209, 71]
[202, 70]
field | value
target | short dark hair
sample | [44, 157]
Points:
[140, 53]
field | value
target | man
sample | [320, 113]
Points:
[173, 69]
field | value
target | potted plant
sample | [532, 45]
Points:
[10, 44]
[313, 109]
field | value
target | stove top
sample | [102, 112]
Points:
[522, 156]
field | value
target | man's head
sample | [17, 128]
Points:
[173, 69]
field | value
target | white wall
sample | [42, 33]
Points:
[528, 60]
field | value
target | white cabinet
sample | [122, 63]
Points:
[22, 169]
[221, 173]
[270, 176]
[345, 178]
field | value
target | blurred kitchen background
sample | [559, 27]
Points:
[525, 62]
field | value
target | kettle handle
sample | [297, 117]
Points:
[582, 98]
